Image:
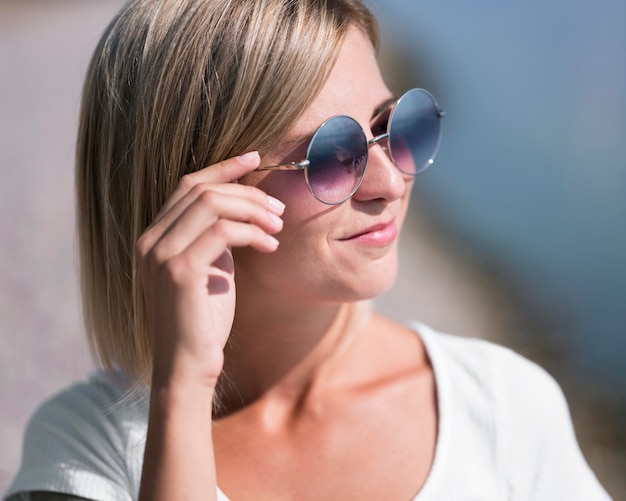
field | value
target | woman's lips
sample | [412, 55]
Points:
[377, 235]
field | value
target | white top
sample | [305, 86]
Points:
[505, 433]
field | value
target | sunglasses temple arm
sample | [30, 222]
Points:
[289, 166]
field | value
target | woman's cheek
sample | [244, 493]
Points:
[287, 186]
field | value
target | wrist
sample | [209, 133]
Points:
[182, 372]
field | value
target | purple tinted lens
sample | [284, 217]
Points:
[337, 156]
[414, 131]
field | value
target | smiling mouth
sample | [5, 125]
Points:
[378, 235]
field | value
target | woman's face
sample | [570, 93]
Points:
[338, 253]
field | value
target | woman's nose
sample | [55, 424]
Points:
[383, 180]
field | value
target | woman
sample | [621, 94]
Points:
[292, 389]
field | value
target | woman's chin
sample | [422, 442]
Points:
[371, 284]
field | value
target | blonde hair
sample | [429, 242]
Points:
[174, 86]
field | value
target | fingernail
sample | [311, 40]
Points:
[276, 204]
[250, 158]
[277, 220]
[273, 242]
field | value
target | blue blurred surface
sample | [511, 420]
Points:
[532, 170]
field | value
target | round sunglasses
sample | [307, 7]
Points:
[336, 157]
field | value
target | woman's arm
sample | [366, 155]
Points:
[187, 274]
[178, 461]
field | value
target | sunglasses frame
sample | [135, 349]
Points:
[304, 164]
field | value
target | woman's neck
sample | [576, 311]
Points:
[287, 351]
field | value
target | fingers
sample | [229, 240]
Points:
[173, 234]
[207, 205]
[226, 171]
[198, 259]
[226, 233]
[169, 214]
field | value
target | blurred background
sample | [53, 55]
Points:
[526, 203]
[517, 233]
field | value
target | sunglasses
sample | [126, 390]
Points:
[336, 157]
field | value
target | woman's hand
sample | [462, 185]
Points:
[187, 273]
[187, 269]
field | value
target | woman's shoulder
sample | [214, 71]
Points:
[104, 402]
[101, 386]
[88, 438]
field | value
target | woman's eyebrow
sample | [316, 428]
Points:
[384, 105]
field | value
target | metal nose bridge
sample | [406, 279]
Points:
[377, 139]
[384, 146]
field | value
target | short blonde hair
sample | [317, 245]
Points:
[174, 86]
